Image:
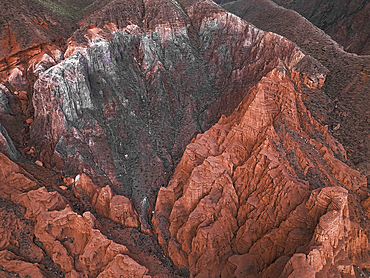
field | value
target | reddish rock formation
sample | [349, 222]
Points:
[68, 238]
[175, 139]
[30, 42]
[117, 208]
[81, 108]
[262, 185]
[12, 264]
[124, 266]
[343, 102]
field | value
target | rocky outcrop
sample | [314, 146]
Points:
[117, 208]
[141, 88]
[16, 81]
[6, 145]
[26, 25]
[28, 31]
[260, 186]
[68, 239]
[31, 41]
[175, 139]
[342, 104]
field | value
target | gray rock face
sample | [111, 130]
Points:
[4, 100]
[7, 146]
[123, 110]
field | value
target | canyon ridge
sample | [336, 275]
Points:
[184, 138]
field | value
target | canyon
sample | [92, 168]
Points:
[164, 138]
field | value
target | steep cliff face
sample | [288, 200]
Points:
[344, 106]
[123, 109]
[31, 41]
[172, 139]
[261, 186]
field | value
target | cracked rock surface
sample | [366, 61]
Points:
[175, 139]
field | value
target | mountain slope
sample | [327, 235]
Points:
[175, 139]
[347, 22]
[347, 84]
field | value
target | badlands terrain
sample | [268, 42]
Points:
[184, 138]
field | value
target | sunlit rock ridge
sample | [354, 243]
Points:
[169, 139]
